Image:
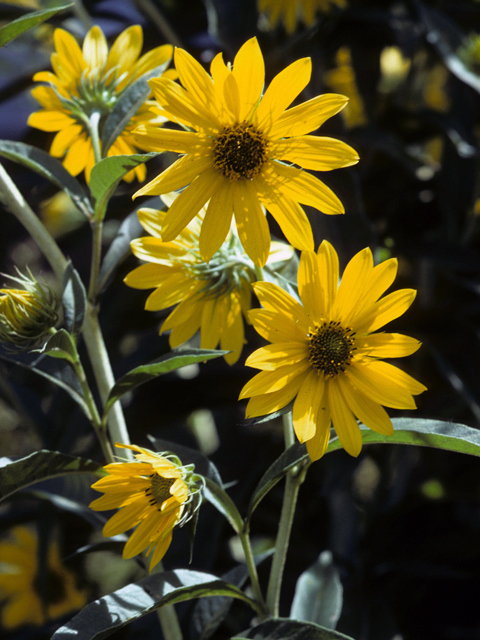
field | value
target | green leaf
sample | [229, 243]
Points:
[97, 520]
[169, 362]
[32, 19]
[284, 629]
[41, 465]
[127, 106]
[217, 496]
[319, 593]
[294, 455]
[57, 371]
[203, 465]
[48, 167]
[106, 175]
[120, 249]
[74, 299]
[448, 436]
[110, 613]
[60, 345]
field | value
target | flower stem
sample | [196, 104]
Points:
[295, 477]
[252, 571]
[97, 232]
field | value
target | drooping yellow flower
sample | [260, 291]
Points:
[24, 591]
[84, 87]
[325, 354]
[154, 493]
[238, 150]
[210, 297]
[343, 79]
[291, 12]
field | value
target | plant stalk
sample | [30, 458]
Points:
[252, 571]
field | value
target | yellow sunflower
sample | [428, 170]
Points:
[290, 12]
[154, 493]
[84, 87]
[21, 582]
[325, 354]
[209, 297]
[238, 149]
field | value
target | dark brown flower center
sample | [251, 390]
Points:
[240, 151]
[331, 348]
[159, 490]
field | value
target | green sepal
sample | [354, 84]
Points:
[38, 466]
[32, 19]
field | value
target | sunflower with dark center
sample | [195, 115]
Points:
[324, 353]
[239, 148]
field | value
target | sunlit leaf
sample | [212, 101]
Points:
[32, 19]
[60, 345]
[284, 629]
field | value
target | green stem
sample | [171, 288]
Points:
[157, 18]
[93, 123]
[97, 231]
[252, 571]
[295, 477]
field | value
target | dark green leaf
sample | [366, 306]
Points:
[284, 629]
[203, 465]
[294, 455]
[48, 167]
[127, 106]
[115, 543]
[104, 616]
[222, 501]
[272, 416]
[106, 175]
[319, 593]
[97, 520]
[60, 345]
[169, 362]
[14, 29]
[448, 436]
[119, 249]
[41, 465]
[74, 299]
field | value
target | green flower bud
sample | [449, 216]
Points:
[26, 315]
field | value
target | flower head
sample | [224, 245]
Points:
[26, 315]
[209, 297]
[31, 598]
[84, 87]
[156, 493]
[325, 354]
[236, 149]
[291, 12]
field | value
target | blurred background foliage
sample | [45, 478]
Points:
[402, 523]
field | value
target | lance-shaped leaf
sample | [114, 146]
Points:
[294, 455]
[120, 249]
[127, 106]
[104, 616]
[60, 345]
[284, 629]
[32, 19]
[97, 520]
[19, 473]
[48, 167]
[74, 300]
[319, 593]
[169, 362]
[437, 434]
[106, 175]
[203, 465]
[220, 499]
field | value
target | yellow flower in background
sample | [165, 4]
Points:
[28, 597]
[154, 493]
[325, 354]
[84, 87]
[238, 150]
[342, 79]
[212, 298]
[291, 12]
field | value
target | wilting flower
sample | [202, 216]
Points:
[236, 149]
[291, 12]
[325, 354]
[156, 493]
[84, 88]
[211, 297]
[31, 595]
[26, 315]
[343, 79]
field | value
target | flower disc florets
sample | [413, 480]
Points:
[26, 315]
[331, 348]
[240, 151]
